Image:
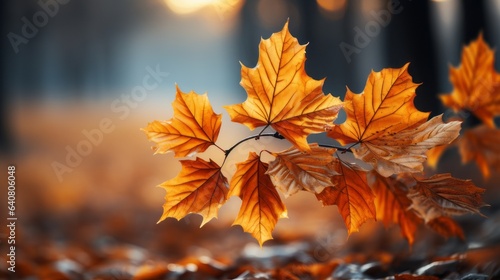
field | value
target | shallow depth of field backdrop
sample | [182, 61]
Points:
[79, 70]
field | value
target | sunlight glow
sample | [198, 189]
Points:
[332, 5]
[191, 6]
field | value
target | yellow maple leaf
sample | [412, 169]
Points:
[199, 188]
[282, 95]
[194, 127]
[352, 195]
[261, 205]
[293, 170]
[476, 85]
[393, 135]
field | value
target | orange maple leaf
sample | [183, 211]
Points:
[261, 205]
[476, 85]
[481, 145]
[393, 135]
[443, 195]
[293, 170]
[392, 204]
[446, 227]
[193, 128]
[434, 154]
[351, 193]
[199, 188]
[282, 95]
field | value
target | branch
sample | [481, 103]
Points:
[255, 137]
[279, 136]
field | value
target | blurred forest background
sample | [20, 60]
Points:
[83, 65]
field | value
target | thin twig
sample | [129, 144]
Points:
[255, 137]
[342, 149]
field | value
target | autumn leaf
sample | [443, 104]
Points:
[282, 95]
[443, 195]
[351, 193]
[434, 154]
[392, 204]
[476, 88]
[481, 144]
[406, 151]
[193, 128]
[383, 129]
[199, 188]
[293, 170]
[393, 135]
[476, 85]
[446, 227]
[384, 107]
[261, 205]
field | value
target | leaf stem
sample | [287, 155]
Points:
[262, 132]
[219, 147]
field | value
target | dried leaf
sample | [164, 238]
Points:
[193, 128]
[293, 170]
[351, 193]
[480, 144]
[443, 195]
[393, 135]
[261, 205]
[282, 95]
[199, 188]
[405, 151]
[476, 85]
[392, 204]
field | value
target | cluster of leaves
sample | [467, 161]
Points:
[383, 129]
[476, 94]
